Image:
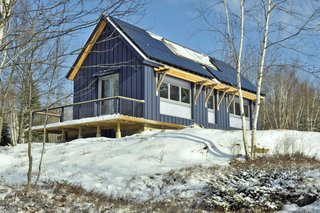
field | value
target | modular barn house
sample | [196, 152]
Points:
[127, 79]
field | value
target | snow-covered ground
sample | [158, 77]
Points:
[131, 166]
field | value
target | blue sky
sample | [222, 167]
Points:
[172, 19]
[175, 20]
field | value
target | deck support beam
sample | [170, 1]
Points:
[79, 132]
[221, 98]
[198, 92]
[160, 81]
[209, 95]
[98, 134]
[63, 136]
[230, 101]
[118, 131]
[47, 137]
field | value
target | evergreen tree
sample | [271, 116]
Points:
[6, 137]
[35, 104]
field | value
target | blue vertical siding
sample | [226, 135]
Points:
[199, 111]
[152, 102]
[222, 116]
[109, 50]
[136, 80]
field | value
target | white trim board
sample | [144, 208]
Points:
[175, 109]
[235, 122]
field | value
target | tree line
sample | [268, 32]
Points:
[36, 39]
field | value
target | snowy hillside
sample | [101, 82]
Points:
[129, 167]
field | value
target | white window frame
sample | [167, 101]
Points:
[104, 78]
[177, 108]
[174, 101]
[236, 100]
[211, 112]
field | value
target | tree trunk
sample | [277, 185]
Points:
[30, 136]
[243, 119]
[259, 82]
[1, 126]
[43, 146]
[229, 37]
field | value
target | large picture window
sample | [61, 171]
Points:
[175, 98]
[175, 93]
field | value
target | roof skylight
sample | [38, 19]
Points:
[185, 52]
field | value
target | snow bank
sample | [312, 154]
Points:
[79, 121]
[110, 165]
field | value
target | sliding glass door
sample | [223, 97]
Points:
[108, 87]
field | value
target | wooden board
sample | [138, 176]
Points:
[87, 50]
[126, 122]
[206, 82]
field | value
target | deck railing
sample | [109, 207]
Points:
[92, 108]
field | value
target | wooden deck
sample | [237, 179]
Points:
[121, 124]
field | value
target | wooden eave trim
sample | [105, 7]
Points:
[87, 50]
[160, 81]
[199, 91]
[174, 72]
[208, 96]
[230, 101]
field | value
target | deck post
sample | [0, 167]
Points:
[63, 136]
[62, 115]
[47, 137]
[118, 132]
[98, 134]
[79, 132]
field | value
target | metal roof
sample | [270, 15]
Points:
[155, 48]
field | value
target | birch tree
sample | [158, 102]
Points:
[238, 69]
[6, 7]
[284, 36]
[259, 80]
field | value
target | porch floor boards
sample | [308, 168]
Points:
[106, 122]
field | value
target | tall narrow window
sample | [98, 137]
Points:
[174, 93]
[246, 110]
[164, 90]
[108, 87]
[237, 108]
[231, 108]
[185, 95]
[210, 103]
[211, 111]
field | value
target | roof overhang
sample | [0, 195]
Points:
[172, 71]
[190, 77]
[86, 50]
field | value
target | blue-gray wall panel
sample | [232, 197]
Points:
[152, 105]
[136, 81]
[222, 116]
[110, 54]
